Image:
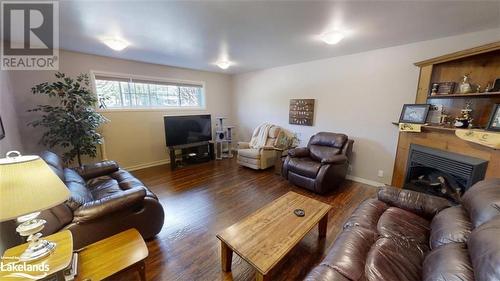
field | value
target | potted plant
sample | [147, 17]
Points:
[73, 122]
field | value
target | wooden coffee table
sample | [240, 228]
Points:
[266, 236]
[120, 252]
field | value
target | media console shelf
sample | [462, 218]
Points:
[181, 155]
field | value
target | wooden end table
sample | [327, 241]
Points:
[58, 260]
[120, 252]
[266, 236]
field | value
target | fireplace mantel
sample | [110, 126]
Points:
[483, 65]
[445, 140]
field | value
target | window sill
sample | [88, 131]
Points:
[152, 109]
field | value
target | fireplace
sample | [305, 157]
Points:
[442, 173]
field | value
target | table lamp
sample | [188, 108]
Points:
[27, 186]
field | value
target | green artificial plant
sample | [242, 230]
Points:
[73, 122]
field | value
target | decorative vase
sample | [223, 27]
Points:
[465, 86]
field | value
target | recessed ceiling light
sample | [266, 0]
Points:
[116, 43]
[332, 38]
[223, 64]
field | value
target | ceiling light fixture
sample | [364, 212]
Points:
[223, 64]
[116, 44]
[332, 38]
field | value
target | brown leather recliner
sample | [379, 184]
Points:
[404, 235]
[104, 200]
[322, 165]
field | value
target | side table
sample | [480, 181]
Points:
[279, 160]
[56, 262]
[120, 252]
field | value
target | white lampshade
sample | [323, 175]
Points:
[27, 185]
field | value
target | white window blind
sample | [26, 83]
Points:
[130, 92]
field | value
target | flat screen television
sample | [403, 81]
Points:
[187, 129]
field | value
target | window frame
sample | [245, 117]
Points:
[203, 106]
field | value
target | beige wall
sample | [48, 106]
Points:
[12, 140]
[359, 95]
[134, 138]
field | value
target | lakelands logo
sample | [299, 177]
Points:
[30, 33]
[23, 270]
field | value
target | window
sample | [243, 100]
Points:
[130, 92]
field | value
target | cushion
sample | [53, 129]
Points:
[54, 162]
[367, 214]
[304, 166]
[273, 132]
[484, 251]
[127, 181]
[324, 272]
[448, 263]
[249, 153]
[401, 224]
[451, 225]
[71, 175]
[270, 142]
[482, 201]
[318, 152]
[103, 187]
[390, 260]
[79, 195]
[349, 252]
[328, 139]
[424, 205]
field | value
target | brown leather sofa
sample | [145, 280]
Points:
[408, 236]
[104, 200]
[322, 165]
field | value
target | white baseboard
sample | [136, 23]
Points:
[147, 165]
[365, 181]
[166, 161]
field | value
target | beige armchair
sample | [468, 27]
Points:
[260, 158]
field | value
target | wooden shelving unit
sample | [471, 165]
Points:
[482, 65]
[466, 96]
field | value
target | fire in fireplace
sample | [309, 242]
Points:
[442, 173]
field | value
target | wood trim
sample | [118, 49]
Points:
[424, 82]
[461, 54]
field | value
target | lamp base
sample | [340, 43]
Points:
[38, 250]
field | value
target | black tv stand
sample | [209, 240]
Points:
[192, 153]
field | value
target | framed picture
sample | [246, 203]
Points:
[494, 124]
[414, 113]
[2, 131]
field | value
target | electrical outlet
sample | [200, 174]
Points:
[349, 168]
[380, 173]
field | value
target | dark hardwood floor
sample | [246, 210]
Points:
[203, 199]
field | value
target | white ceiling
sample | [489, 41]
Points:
[261, 34]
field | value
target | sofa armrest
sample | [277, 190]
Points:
[104, 206]
[416, 202]
[98, 169]
[298, 152]
[269, 148]
[243, 145]
[334, 160]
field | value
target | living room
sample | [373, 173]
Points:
[239, 140]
